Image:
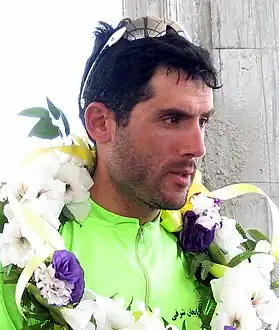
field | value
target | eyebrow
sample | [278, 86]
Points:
[182, 113]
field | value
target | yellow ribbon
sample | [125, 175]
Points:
[80, 150]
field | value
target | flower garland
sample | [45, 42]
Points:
[234, 267]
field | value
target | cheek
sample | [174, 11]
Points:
[150, 145]
[155, 153]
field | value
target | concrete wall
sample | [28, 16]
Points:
[242, 141]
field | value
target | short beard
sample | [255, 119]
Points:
[159, 203]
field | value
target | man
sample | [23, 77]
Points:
[145, 99]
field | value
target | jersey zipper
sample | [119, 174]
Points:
[140, 240]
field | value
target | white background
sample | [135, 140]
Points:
[43, 49]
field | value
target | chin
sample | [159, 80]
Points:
[173, 204]
[169, 201]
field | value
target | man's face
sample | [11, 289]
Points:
[153, 158]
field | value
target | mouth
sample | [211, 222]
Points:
[182, 178]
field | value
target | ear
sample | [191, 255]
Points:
[99, 122]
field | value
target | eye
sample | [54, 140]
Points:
[204, 121]
[172, 120]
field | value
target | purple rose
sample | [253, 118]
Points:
[194, 237]
[228, 327]
[67, 268]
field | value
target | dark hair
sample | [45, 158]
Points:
[121, 76]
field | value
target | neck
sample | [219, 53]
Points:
[105, 193]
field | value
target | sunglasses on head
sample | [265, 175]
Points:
[144, 27]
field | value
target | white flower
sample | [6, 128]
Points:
[245, 276]
[107, 313]
[207, 210]
[78, 182]
[14, 246]
[266, 305]
[81, 316]
[233, 295]
[210, 220]
[34, 228]
[203, 203]
[37, 187]
[244, 299]
[263, 261]
[117, 317]
[149, 321]
[47, 201]
[238, 313]
[56, 292]
[48, 163]
[227, 237]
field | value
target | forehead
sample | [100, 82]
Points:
[173, 89]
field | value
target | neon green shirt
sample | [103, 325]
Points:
[119, 256]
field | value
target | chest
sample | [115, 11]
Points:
[137, 263]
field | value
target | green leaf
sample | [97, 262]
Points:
[184, 325]
[206, 306]
[7, 269]
[35, 112]
[54, 311]
[66, 123]
[241, 257]
[53, 109]
[241, 230]
[112, 297]
[195, 261]
[165, 322]
[3, 219]
[44, 129]
[258, 236]
[32, 309]
[36, 316]
[57, 113]
[205, 269]
[249, 245]
[67, 213]
[130, 304]
[11, 274]
[149, 308]
[217, 254]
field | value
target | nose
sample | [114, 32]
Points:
[193, 142]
